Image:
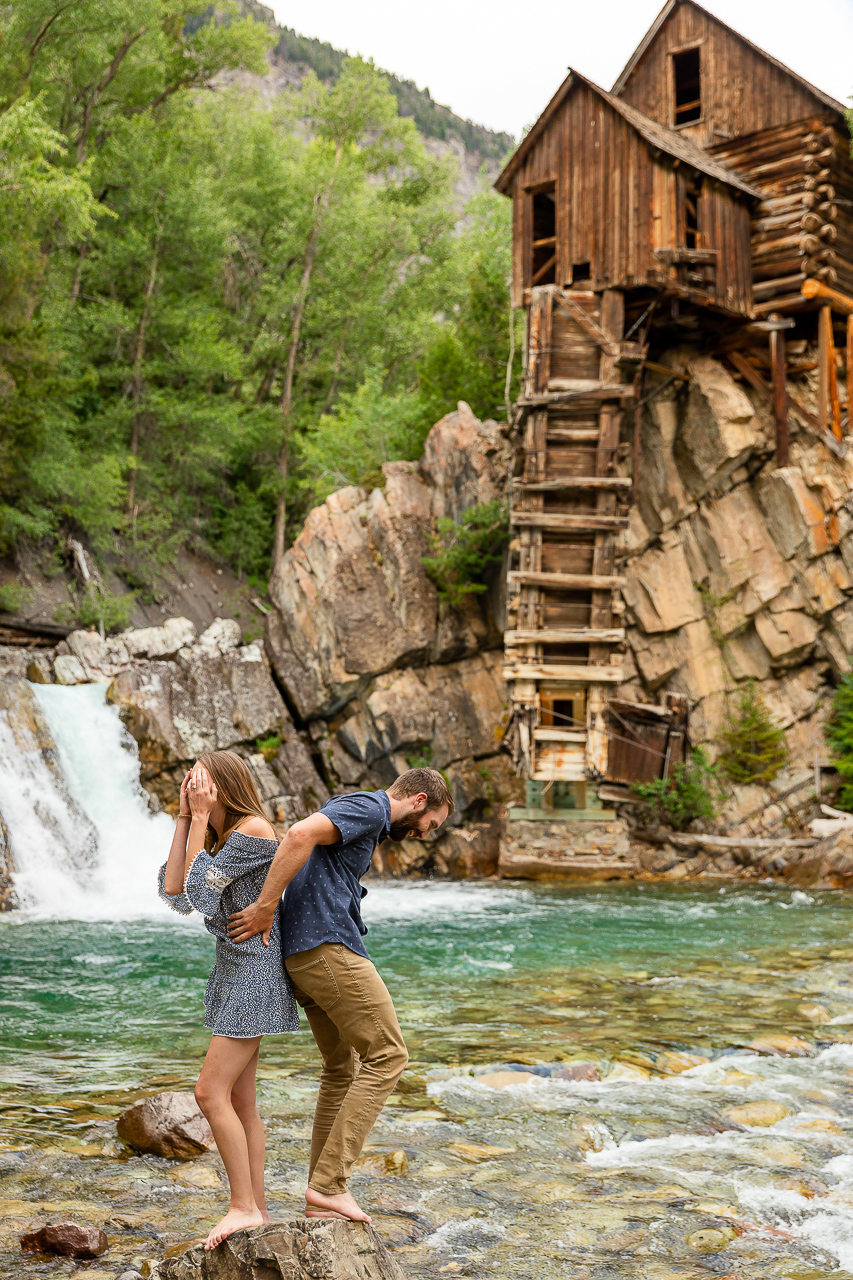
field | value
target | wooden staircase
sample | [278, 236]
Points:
[569, 498]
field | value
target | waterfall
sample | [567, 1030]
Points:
[84, 843]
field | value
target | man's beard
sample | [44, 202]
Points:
[402, 828]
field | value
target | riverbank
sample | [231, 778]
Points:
[583, 1094]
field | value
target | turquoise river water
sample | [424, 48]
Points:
[553, 1122]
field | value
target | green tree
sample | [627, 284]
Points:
[690, 793]
[466, 549]
[475, 353]
[839, 735]
[754, 748]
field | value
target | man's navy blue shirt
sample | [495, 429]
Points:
[322, 903]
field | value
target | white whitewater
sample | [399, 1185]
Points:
[100, 763]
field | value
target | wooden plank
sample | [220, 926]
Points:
[824, 356]
[580, 317]
[566, 581]
[566, 635]
[559, 735]
[610, 391]
[569, 674]
[850, 373]
[780, 397]
[560, 520]
[573, 482]
[839, 301]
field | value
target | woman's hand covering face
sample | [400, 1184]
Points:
[201, 792]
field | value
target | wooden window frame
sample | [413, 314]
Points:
[530, 193]
[673, 54]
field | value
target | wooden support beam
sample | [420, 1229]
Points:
[573, 482]
[568, 674]
[780, 397]
[566, 581]
[808, 419]
[849, 373]
[838, 301]
[560, 520]
[824, 344]
[566, 635]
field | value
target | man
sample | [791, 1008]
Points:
[320, 862]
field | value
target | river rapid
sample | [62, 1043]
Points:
[595, 1087]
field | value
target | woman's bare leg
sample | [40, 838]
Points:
[243, 1102]
[225, 1062]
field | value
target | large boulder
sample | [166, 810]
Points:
[302, 1249]
[217, 695]
[352, 597]
[68, 1239]
[168, 1124]
[95, 659]
[719, 429]
[447, 713]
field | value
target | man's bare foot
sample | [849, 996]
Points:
[234, 1220]
[343, 1204]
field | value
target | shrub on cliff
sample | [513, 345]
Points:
[688, 794]
[754, 748]
[839, 735]
[464, 551]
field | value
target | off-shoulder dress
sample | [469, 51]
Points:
[248, 993]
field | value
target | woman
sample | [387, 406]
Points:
[221, 851]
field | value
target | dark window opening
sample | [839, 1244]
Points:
[580, 272]
[692, 234]
[688, 97]
[544, 267]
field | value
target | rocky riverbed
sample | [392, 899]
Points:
[640, 1081]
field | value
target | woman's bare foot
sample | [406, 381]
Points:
[234, 1220]
[343, 1203]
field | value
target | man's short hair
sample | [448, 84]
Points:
[429, 781]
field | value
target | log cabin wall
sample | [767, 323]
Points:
[803, 227]
[619, 209]
[742, 89]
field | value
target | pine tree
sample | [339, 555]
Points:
[755, 748]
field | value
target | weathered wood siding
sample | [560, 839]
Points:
[741, 90]
[616, 203]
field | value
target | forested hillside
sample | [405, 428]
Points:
[431, 118]
[214, 310]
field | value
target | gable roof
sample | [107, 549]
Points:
[671, 6]
[656, 135]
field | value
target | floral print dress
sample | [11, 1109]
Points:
[248, 993]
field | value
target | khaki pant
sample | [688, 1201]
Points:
[353, 1021]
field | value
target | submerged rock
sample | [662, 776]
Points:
[68, 1239]
[169, 1124]
[296, 1250]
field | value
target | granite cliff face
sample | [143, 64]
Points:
[736, 570]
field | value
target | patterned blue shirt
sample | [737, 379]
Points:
[322, 903]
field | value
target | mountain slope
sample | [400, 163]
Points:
[295, 54]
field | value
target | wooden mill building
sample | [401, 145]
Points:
[707, 197]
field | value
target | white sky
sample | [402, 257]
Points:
[497, 62]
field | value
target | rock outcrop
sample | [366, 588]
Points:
[296, 1250]
[737, 569]
[352, 597]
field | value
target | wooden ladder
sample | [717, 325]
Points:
[567, 505]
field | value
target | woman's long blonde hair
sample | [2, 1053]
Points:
[236, 791]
